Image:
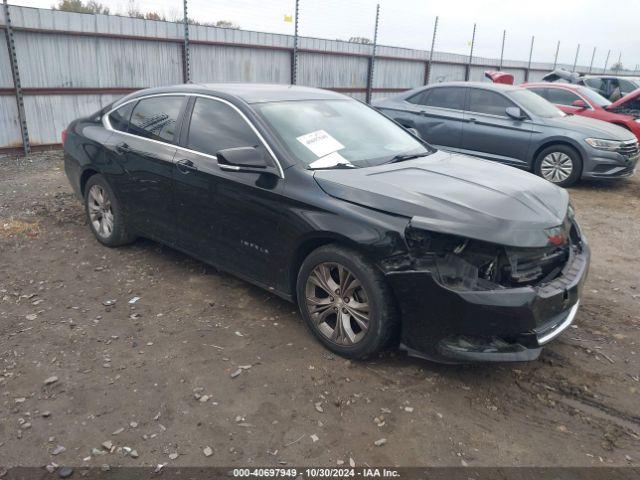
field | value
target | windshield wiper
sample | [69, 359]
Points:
[344, 166]
[408, 156]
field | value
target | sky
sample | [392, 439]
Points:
[409, 23]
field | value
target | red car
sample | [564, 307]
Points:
[580, 100]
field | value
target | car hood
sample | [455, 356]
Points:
[458, 195]
[590, 127]
[561, 74]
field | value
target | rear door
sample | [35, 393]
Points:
[488, 132]
[229, 218]
[440, 115]
[144, 148]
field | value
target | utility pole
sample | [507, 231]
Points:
[433, 45]
[606, 62]
[504, 35]
[15, 73]
[593, 55]
[294, 56]
[372, 60]
[473, 41]
[555, 60]
[619, 63]
[186, 69]
[575, 61]
[526, 72]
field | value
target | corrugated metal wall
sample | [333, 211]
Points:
[60, 51]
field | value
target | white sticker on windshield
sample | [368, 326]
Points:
[320, 143]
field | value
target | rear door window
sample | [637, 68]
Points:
[560, 96]
[215, 126]
[156, 118]
[445, 97]
[119, 118]
[488, 102]
[540, 91]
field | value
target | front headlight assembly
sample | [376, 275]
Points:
[602, 144]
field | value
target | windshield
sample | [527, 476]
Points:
[535, 104]
[594, 97]
[328, 133]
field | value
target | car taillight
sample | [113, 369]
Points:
[64, 136]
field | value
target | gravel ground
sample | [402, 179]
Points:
[155, 376]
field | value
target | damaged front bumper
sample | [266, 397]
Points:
[506, 324]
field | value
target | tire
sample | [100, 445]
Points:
[559, 164]
[104, 213]
[368, 287]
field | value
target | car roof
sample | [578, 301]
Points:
[566, 86]
[248, 92]
[500, 87]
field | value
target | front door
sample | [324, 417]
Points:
[229, 218]
[490, 133]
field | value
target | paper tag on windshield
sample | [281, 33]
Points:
[320, 143]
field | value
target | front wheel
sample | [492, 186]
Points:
[345, 302]
[560, 164]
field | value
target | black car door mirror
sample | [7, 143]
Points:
[515, 113]
[243, 159]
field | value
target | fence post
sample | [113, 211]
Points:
[186, 70]
[372, 59]
[555, 59]
[13, 60]
[427, 71]
[294, 53]
[575, 60]
[593, 55]
[504, 35]
[526, 72]
[617, 70]
[606, 62]
[467, 73]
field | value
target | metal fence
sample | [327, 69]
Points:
[56, 66]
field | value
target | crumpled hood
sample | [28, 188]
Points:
[590, 127]
[456, 194]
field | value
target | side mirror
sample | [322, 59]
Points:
[579, 104]
[242, 159]
[515, 113]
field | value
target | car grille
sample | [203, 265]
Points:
[629, 149]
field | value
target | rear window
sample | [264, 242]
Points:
[119, 118]
[445, 97]
[156, 118]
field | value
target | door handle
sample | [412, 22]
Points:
[186, 166]
[123, 148]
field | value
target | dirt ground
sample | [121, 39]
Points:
[155, 376]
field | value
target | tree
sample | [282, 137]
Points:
[617, 66]
[227, 24]
[78, 6]
[364, 40]
[155, 16]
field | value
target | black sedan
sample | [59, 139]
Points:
[377, 236]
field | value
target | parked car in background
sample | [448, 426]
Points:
[324, 201]
[612, 87]
[515, 126]
[580, 100]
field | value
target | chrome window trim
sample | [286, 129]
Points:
[107, 125]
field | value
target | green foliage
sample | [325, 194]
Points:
[79, 6]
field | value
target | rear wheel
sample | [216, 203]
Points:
[104, 213]
[559, 164]
[345, 302]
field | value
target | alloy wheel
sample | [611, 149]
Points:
[100, 211]
[556, 167]
[337, 303]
